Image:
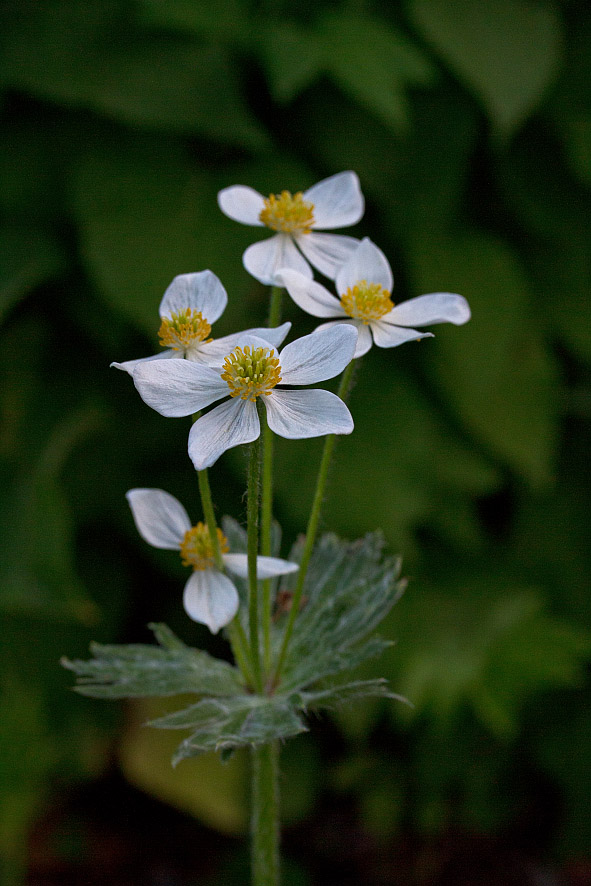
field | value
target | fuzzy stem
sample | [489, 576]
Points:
[254, 471]
[265, 814]
[312, 528]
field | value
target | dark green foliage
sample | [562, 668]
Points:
[469, 125]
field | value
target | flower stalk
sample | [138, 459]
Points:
[265, 814]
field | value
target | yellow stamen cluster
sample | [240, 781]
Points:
[287, 213]
[250, 372]
[366, 301]
[197, 549]
[181, 331]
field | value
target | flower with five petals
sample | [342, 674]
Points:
[189, 307]
[335, 202]
[210, 597]
[364, 283]
[253, 370]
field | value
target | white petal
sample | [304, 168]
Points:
[338, 201]
[438, 307]
[309, 295]
[264, 259]
[201, 291]
[178, 387]
[226, 426]
[318, 356]
[300, 414]
[130, 365]
[210, 598]
[267, 567]
[242, 203]
[214, 352]
[366, 263]
[160, 518]
[386, 335]
[364, 338]
[326, 252]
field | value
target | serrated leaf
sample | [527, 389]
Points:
[334, 696]
[141, 670]
[507, 52]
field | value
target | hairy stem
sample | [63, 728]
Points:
[265, 814]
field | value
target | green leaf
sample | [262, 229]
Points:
[126, 73]
[507, 52]
[373, 63]
[293, 59]
[139, 670]
[489, 367]
[343, 693]
[28, 258]
[225, 19]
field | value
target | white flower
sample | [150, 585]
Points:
[210, 597]
[253, 369]
[189, 307]
[335, 202]
[364, 283]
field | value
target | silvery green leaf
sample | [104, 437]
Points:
[141, 670]
[333, 696]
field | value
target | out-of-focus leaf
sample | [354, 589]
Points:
[145, 216]
[141, 670]
[293, 59]
[28, 257]
[496, 370]
[213, 791]
[374, 63]
[492, 646]
[92, 56]
[507, 52]
[209, 18]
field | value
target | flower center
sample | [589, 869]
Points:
[250, 372]
[366, 301]
[287, 213]
[181, 331]
[197, 549]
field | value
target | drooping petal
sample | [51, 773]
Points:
[210, 598]
[312, 413]
[242, 203]
[160, 518]
[309, 295]
[226, 426]
[201, 291]
[262, 260]
[267, 567]
[130, 365]
[364, 337]
[368, 263]
[438, 307]
[386, 335]
[326, 252]
[213, 352]
[318, 356]
[338, 201]
[178, 387]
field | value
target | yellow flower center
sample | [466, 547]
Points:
[251, 372]
[197, 549]
[366, 301]
[181, 331]
[287, 213]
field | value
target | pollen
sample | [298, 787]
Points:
[183, 330]
[366, 301]
[287, 213]
[197, 549]
[250, 372]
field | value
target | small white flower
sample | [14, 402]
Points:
[190, 306]
[364, 283]
[210, 597]
[335, 202]
[252, 369]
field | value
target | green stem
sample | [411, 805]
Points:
[236, 633]
[254, 471]
[312, 528]
[265, 814]
[275, 306]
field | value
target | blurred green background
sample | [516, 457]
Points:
[469, 125]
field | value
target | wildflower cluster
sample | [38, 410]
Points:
[242, 389]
